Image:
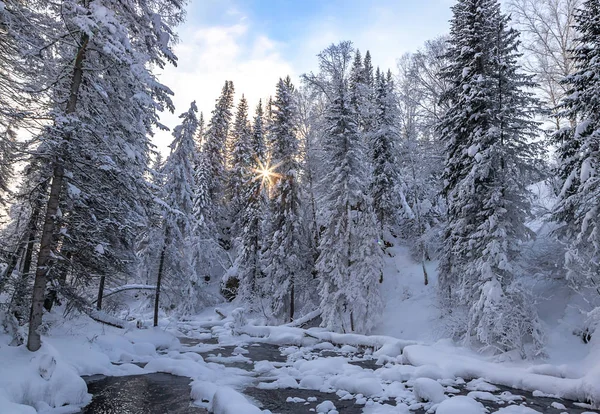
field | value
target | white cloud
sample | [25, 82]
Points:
[210, 55]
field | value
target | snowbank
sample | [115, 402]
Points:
[285, 335]
[455, 362]
[38, 381]
[221, 399]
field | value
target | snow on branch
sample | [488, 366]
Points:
[305, 319]
[128, 287]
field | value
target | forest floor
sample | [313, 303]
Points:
[239, 367]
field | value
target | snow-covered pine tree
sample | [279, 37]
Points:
[19, 62]
[251, 237]
[240, 161]
[385, 187]
[286, 248]
[147, 249]
[357, 84]
[578, 209]
[99, 55]
[200, 134]
[350, 261]
[489, 135]
[20, 103]
[178, 196]
[368, 73]
[215, 150]
[362, 95]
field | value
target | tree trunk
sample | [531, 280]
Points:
[47, 240]
[158, 281]
[31, 241]
[26, 252]
[52, 295]
[12, 265]
[292, 303]
[100, 293]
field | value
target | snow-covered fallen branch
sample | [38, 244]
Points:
[83, 306]
[287, 335]
[375, 342]
[126, 288]
[305, 319]
[105, 318]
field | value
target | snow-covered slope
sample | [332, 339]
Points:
[410, 306]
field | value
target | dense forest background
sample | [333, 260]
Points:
[479, 151]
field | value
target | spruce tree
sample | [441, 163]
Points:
[251, 237]
[350, 261]
[284, 256]
[215, 150]
[488, 133]
[178, 195]
[98, 155]
[215, 143]
[240, 159]
[385, 186]
[578, 209]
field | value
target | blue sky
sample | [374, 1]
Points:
[254, 42]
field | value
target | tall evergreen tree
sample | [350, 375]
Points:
[241, 159]
[215, 142]
[578, 209]
[251, 239]
[215, 150]
[350, 261]
[88, 73]
[284, 255]
[488, 133]
[178, 195]
[385, 186]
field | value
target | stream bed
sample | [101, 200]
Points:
[159, 393]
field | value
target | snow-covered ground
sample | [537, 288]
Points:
[413, 365]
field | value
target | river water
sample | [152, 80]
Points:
[160, 393]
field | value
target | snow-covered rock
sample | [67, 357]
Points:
[517, 409]
[325, 407]
[460, 405]
[426, 389]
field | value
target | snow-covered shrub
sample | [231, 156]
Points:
[506, 319]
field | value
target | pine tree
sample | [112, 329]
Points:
[146, 247]
[286, 249]
[200, 134]
[251, 237]
[357, 83]
[350, 261]
[368, 78]
[86, 75]
[488, 133]
[578, 209]
[385, 186]
[178, 195]
[215, 148]
[241, 159]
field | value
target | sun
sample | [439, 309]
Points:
[266, 173]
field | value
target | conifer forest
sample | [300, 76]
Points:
[426, 234]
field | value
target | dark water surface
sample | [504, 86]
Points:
[160, 393]
[155, 393]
